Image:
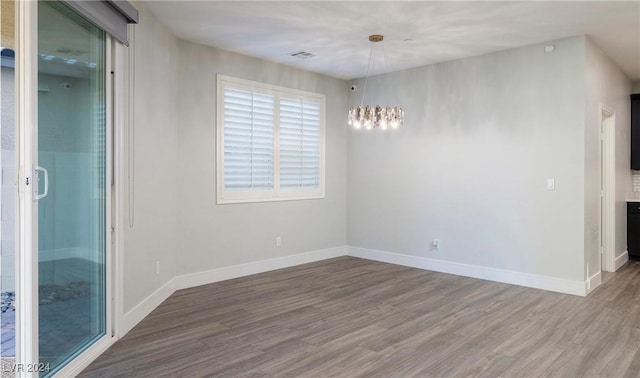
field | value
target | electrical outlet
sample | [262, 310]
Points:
[278, 241]
[435, 244]
[158, 267]
[551, 184]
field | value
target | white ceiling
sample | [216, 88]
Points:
[416, 32]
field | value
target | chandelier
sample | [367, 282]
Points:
[371, 117]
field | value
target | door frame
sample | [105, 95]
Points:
[26, 335]
[27, 231]
[606, 120]
[121, 121]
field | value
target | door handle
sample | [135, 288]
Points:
[36, 183]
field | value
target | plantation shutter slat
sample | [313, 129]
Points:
[300, 123]
[248, 140]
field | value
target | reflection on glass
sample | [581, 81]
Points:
[8, 193]
[71, 219]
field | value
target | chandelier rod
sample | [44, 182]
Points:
[384, 58]
[366, 77]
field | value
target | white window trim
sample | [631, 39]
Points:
[276, 194]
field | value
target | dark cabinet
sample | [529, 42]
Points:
[635, 131]
[633, 230]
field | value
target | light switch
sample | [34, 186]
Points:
[551, 184]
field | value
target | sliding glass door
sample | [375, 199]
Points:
[55, 187]
[71, 184]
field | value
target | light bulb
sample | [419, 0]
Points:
[394, 124]
[357, 124]
[383, 124]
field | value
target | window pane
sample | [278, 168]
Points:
[71, 218]
[299, 144]
[248, 140]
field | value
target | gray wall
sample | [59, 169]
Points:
[607, 85]
[636, 87]
[470, 165]
[213, 236]
[154, 234]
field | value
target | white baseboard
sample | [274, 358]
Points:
[620, 260]
[226, 273]
[144, 308]
[593, 282]
[492, 274]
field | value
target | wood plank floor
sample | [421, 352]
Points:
[350, 317]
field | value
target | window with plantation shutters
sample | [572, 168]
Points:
[269, 142]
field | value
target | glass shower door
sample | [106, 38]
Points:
[71, 142]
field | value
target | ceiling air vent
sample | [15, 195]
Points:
[302, 55]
